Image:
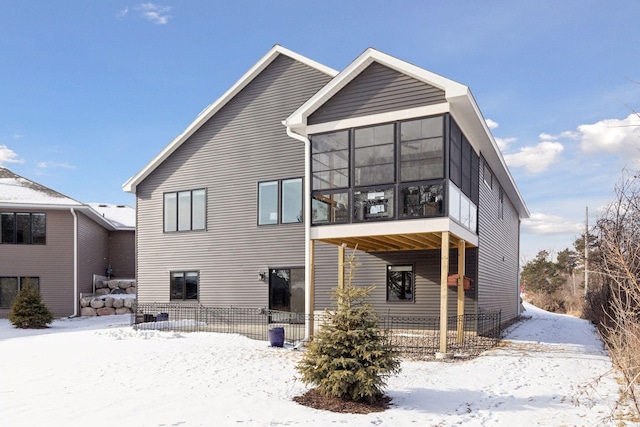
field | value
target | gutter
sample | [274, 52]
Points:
[308, 298]
[75, 263]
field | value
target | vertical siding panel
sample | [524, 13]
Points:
[378, 89]
[244, 143]
[52, 262]
[498, 251]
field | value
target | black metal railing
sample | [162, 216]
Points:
[416, 337]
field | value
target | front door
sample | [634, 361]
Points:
[286, 289]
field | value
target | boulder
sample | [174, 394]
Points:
[108, 302]
[88, 311]
[113, 284]
[131, 290]
[123, 310]
[124, 284]
[117, 303]
[85, 301]
[104, 291]
[118, 291]
[101, 284]
[106, 311]
[97, 303]
[128, 302]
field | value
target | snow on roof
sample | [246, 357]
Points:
[120, 216]
[15, 189]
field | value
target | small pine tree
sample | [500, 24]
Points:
[28, 311]
[348, 357]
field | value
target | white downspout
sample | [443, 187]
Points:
[75, 263]
[307, 222]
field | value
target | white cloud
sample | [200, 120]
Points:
[123, 13]
[536, 159]
[53, 165]
[612, 136]
[7, 155]
[491, 124]
[540, 223]
[503, 143]
[154, 12]
[566, 134]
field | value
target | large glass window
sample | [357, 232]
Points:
[421, 150]
[280, 202]
[23, 228]
[400, 286]
[373, 204]
[185, 210]
[10, 286]
[421, 200]
[330, 160]
[184, 285]
[374, 155]
[331, 208]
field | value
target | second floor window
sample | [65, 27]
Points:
[185, 210]
[23, 228]
[280, 202]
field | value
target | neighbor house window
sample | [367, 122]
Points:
[10, 286]
[185, 210]
[501, 207]
[23, 228]
[184, 285]
[280, 202]
[400, 286]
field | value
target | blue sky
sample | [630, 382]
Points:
[91, 90]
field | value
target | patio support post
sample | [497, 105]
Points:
[340, 269]
[461, 274]
[444, 274]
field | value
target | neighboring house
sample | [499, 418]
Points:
[58, 243]
[296, 161]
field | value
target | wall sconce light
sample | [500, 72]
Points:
[262, 276]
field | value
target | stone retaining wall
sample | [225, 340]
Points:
[111, 297]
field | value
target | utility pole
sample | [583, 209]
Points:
[586, 251]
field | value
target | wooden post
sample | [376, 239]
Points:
[444, 275]
[312, 290]
[461, 274]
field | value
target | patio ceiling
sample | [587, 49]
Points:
[394, 242]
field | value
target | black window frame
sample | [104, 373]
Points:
[177, 211]
[20, 282]
[184, 285]
[15, 238]
[412, 284]
[280, 202]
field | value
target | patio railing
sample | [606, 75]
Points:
[416, 337]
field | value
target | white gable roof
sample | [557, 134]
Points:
[211, 110]
[462, 105]
[121, 217]
[16, 191]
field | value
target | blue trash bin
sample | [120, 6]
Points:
[276, 337]
[162, 317]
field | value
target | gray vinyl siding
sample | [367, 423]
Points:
[243, 144]
[52, 262]
[498, 251]
[371, 270]
[378, 89]
[93, 252]
[122, 253]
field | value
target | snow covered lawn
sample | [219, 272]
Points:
[100, 372]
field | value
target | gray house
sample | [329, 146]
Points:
[255, 203]
[58, 243]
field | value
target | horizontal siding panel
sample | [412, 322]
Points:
[93, 252]
[378, 89]
[243, 144]
[498, 251]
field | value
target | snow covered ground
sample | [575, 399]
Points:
[550, 371]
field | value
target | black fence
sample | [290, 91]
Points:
[415, 337]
